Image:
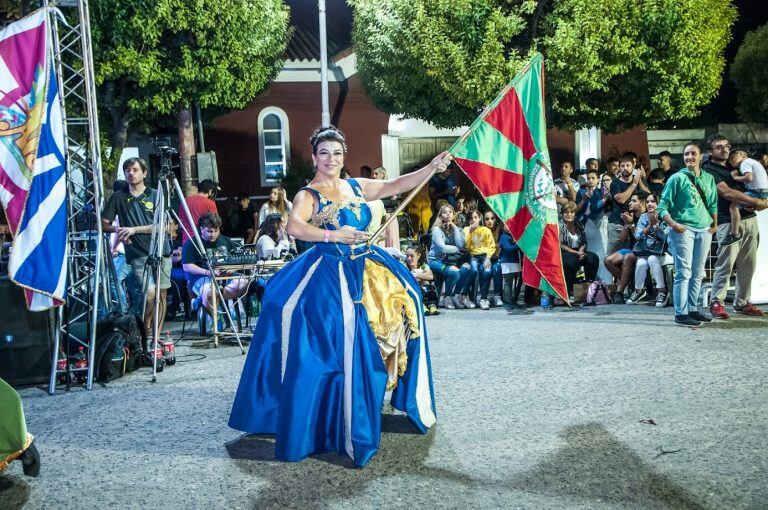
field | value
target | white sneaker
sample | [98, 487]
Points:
[448, 304]
[497, 301]
[467, 302]
[457, 302]
[637, 296]
[484, 304]
[441, 302]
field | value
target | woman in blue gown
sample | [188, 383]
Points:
[339, 326]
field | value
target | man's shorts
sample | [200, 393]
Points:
[757, 193]
[197, 287]
[139, 264]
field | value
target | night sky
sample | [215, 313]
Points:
[752, 14]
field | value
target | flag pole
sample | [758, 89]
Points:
[416, 190]
[400, 208]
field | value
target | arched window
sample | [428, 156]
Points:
[274, 145]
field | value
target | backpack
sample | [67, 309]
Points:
[110, 359]
[597, 294]
[132, 330]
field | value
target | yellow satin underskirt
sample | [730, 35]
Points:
[392, 315]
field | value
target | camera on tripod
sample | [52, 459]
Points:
[166, 157]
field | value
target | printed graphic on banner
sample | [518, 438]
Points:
[32, 163]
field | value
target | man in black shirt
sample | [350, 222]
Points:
[630, 182]
[656, 182]
[135, 210]
[242, 221]
[665, 164]
[196, 266]
[742, 253]
[443, 185]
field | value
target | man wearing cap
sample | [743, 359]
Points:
[198, 204]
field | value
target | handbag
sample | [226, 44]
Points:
[652, 244]
[597, 294]
[456, 259]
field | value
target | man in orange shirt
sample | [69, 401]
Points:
[198, 205]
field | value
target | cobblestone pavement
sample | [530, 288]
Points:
[607, 407]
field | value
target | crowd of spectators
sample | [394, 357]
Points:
[646, 234]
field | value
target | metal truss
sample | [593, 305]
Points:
[73, 61]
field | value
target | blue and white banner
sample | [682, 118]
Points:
[39, 258]
[33, 182]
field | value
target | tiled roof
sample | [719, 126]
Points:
[305, 43]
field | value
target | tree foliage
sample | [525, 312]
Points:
[750, 75]
[11, 10]
[619, 63]
[153, 57]
[298, 174]
[437, 60]
[612, 63]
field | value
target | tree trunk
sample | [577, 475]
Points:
[110, 171]
[537, 19]
[186, 149]
[118, 141]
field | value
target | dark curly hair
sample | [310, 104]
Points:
[327, 134]
[209, 219]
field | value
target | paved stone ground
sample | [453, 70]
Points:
[534, 411]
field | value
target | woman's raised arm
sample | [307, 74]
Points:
[376, 189]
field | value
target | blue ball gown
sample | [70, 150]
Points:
[339, 326]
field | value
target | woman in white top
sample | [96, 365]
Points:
[278, 203]
[650, 225]
[273, 240]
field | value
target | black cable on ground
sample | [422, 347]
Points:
[197, 357]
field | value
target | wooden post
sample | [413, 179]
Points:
[186, 149]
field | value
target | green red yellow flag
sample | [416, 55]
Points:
[504, 153]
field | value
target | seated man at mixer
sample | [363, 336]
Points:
[196, 267]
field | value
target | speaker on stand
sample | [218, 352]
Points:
[26, 338]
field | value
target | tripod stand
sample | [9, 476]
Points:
[167, 183]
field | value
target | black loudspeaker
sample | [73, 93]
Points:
[26, 338]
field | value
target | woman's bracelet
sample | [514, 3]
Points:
[326, 236]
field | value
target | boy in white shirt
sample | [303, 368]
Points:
[755, 179]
